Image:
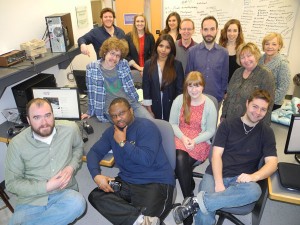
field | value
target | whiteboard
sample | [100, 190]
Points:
[258, 17]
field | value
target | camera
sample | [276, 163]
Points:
[115, 185]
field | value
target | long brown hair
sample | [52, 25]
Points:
[167, 28]
[169, 72]
[134, 33]
[193, 78]
[223, 37]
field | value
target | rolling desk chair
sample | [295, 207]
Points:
[168, 143]
[5, 199]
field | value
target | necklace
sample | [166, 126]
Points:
[247, 131]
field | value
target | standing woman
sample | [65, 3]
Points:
[141, 43]
[172, 26]
[193, 118]
[278, 64]
[231, 38]
[246, 79]
[162, 78]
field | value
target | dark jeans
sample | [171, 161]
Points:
[184, 174]
[125, 206]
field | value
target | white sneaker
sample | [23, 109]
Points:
[148, 220]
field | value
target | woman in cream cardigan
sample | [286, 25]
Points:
[193, 118]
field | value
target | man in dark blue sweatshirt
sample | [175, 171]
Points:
[146, 177]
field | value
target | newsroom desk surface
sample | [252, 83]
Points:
[98, 127]
[276, 191]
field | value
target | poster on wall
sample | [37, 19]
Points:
[81, 15]
[128, 18]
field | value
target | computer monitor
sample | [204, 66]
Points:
[292, 145]
[64, 101]
[79, 76]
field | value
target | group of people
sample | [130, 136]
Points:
[184, 83]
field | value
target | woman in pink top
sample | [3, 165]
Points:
[193, 118]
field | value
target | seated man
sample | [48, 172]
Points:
[146, 176]
[40, 165]
[230, 179]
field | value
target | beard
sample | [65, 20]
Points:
[209, 39]
[43, 133]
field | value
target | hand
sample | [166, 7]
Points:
[187, 142]
[84, 50]
[55, 182]
[141, 71]
[150, 111]
[84, 116]
[219, 187]
[102, 183]
[119, 135]
[66, 174]
[245, 178]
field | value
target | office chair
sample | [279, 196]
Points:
[168, 143]
[256, 207]
[5, 199]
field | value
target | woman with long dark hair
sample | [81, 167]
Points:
[162, 78]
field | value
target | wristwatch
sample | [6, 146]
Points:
[122, 143]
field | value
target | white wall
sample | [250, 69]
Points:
[22, 21]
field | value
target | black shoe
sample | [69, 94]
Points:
[189, 207]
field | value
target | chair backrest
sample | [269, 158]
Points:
[168, 140]
[215, 101]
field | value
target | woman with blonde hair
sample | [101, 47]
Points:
[141, 43]
[278, 64]
[246, 79]
[193, 118]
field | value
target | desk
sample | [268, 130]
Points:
[276, 191]
[99, 128]
[23, 70]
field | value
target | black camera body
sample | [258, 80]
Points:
[115, 185]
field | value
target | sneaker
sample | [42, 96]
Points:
[148, 220]
[189, 207]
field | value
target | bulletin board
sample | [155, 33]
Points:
[258, 17]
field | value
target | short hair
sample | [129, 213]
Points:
[105, 10]
[193, 77]
[247, 47]
[187, 20]
[114, 43]
[120, 100]
[39, 102]
[260, 94]
[209, 18]
[270, 37]
[223, 40]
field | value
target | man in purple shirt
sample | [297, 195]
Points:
[210, 59]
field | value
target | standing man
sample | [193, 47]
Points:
[146, 178]
[230, 180]
[98, 35]
[210, 59]
[186, 29]
[40, 166]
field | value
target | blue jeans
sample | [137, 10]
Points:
[63, 208]
[235, 195]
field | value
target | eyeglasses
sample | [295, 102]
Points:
[186, 29]
[120, 114]
[114, 54]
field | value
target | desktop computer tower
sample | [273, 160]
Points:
[60, 32]
[23, 94]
